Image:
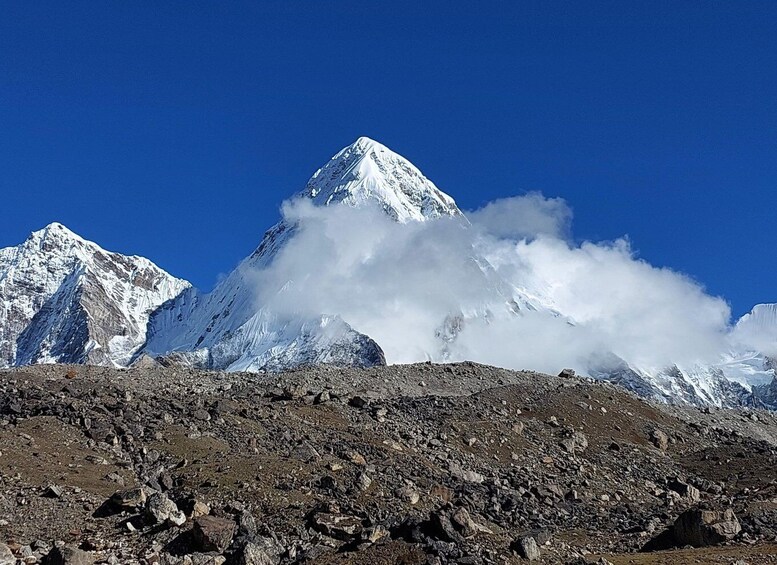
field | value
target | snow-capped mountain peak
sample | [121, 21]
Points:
[65, 299]
[367, 171]
[54, 234]
[227, 329]
[56, 230]
[757, 330]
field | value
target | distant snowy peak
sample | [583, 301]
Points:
[763, 317]
[367, 171]
[65, 299]
[757, 330]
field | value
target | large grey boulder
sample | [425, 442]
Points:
[700, 528]
[160, 509]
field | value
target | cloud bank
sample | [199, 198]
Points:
[506, 288]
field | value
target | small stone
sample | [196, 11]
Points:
[53, 491]
[306, 452]
[204, 559]
[253, 554]
[363, 481]
[358, 402]
[166, 481]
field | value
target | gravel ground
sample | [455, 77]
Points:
[422, 463]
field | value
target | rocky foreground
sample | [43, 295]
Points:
[417, 464]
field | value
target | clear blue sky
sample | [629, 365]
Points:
[175, 129]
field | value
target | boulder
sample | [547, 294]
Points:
[160, 509]
[701, 528]
[685, 490]
[128, 499]
[6, 557]
[659, 439]
[338, 526]
[254, 554]
[527, 548]
[212, 533]
[68, 556]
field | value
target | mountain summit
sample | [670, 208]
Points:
[226, 329]
[369, 171]
[65, 299]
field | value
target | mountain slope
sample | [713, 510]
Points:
[65, 299]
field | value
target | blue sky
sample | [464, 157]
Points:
[174, 130]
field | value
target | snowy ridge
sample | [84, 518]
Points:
[65, 299]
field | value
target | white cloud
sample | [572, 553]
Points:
[528, 216]
[398, 283]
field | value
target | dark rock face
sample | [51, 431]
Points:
[64, 322]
